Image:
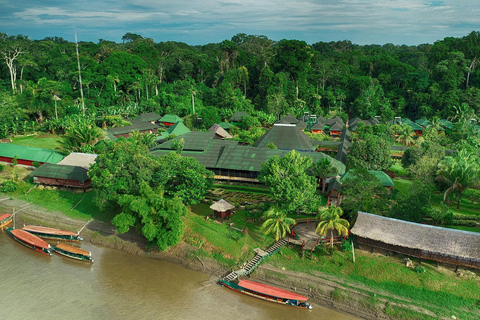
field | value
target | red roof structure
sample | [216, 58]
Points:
[271, 291]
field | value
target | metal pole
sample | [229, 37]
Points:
[353, 251]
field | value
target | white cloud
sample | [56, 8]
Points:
[375, 19]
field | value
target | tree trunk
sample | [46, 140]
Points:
[324, 184]
[331, 237]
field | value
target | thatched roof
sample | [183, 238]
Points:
[219, 131]
[221, 206]
[406, 234]
[78, 159]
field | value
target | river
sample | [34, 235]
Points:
[122, 286]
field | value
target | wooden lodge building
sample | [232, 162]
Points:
[286, 137]
[70, 172]
[456, 247]
[229, 160]
[28, 155]
[140, 126]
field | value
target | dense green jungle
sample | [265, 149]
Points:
[41, 86]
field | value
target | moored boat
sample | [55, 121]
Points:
[268, 293]
[5, 219]
[72, 252]
[52, 233]
[29, 240]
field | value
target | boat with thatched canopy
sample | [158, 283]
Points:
[5, 220]
[52, 233]
[457, 247]
[29, 240]
[72, 252]
[268, 293]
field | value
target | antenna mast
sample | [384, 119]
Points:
[79, 74]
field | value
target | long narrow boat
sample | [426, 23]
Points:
[268, 293]
[72, 252]
[5, 220]
[29, 240]
[52, 233]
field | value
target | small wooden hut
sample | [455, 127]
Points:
[222, 209]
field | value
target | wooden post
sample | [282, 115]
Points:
[371, 251]
[437, 263]
[456, 268]
[419, 261]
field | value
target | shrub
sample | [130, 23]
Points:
[442, 215]
[2, 167]
[15, 160]
[35, 164]
[8, 186]
[419, 269]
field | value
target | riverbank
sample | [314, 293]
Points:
[325, 290]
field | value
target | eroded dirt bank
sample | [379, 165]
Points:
[321, 289]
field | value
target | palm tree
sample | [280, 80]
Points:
[330, 220]
[76, 138]
[406, 135]
[461, 171]
[322, 169]
[277, 223]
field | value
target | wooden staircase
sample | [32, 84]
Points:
[256, 261]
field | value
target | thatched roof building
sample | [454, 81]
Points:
[220, 132]
[222, 208]
[423, 241]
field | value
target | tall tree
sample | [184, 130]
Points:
[277, 222]
[330, 220]
[323, 169]
[460, 172]
[289, 182]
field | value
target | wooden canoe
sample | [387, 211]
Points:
[29, 240]
[72, 252]
[52, 233]
[268, 293]
[5, 219]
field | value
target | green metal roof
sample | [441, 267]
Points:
[147, 117]
[10, 150]
[301, 125]
[178, 129]
[227, 154]
[423, 122]
[225, 125]
[171, 118]
[290, 119]
[384, 179]
[193, 141]
[413, 125]
[237, 116]
[136, 126]
[286, 137]
[59, 171]
[446, 124]
[320, 125]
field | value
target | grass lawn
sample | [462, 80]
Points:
[44, 140]
[402, 185]
[398, 169]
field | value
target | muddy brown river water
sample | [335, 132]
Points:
[122, 286]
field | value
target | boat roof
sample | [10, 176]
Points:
[271, 291]
[30, 238]
[4, 216]
[72, 249]
[49, 230]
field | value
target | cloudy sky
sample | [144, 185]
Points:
[410, 22]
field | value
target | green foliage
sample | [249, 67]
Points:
[363, 192]
[289, 183]
[271, 145]
[459, 172]
[371, 149]
[2, 167]
[8, 186]
[183, 177]
[323, 169]
[80, 138]
[277, 223]
[330, 220]
[442, 215]
[15, 160]
[35, 164]
[414, 205]
[158, 217]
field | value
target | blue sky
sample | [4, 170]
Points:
[410, 22]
